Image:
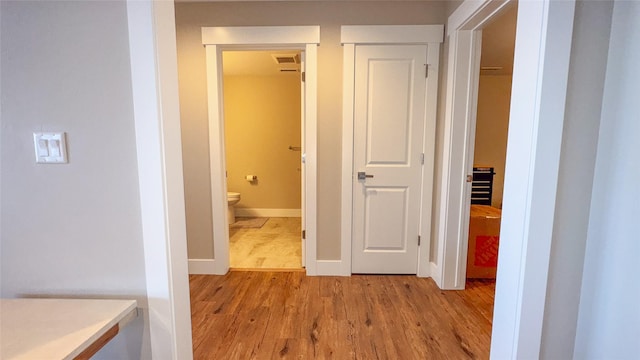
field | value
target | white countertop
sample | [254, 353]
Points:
[57, 328]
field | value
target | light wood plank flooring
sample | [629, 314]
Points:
[276, 245]
[269, 315]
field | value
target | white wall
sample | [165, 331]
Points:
[609, 315]
[577, 161]
[72, 229]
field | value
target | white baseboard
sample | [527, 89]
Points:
[424, 268]
[202, 267]
[249, 212]
[433, 268]
[330, 268]
[345, 268]
[435, 274]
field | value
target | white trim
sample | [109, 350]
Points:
[202, 267]
[429, 140]
[256, 212]
[348, 83]
[460, 274]
[543, 38]
[253, 38]
[474, 14]
[434, 271]
[217, 159]
[391, 34]
[459, 137]
[261, 35]
[154, 75]
[330, 268]
[351, 36]
[311, 156]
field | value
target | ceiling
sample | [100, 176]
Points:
[257, 62]
[498, 43]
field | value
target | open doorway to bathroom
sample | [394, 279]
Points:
[263, 143]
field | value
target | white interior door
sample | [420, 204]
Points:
[389, 117]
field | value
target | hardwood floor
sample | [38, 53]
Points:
[268, 315]
[276, 245]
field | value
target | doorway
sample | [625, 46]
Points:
[263, 148]
[300, 38]
[479, 54]
[488, 148]
[539, 90]
[490, 145]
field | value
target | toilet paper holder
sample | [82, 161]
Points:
[251, 178]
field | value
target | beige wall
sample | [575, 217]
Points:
[492, 124]
[190, 17]
[262, 119]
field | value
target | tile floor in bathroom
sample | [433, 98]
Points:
[275, 245]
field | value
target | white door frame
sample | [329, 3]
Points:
[539, 87]
[154, 75]
[351, 36]
[217, 39]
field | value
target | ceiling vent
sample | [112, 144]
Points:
[286, 59]
[289, 70]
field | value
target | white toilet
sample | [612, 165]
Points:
[232, 199]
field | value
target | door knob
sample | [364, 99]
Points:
[362, 175]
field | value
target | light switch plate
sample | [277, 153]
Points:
[51, 147]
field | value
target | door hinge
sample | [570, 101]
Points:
[304, 234]
[469, 178]
[422, 158]
[304, 76]
[418, 240]
[426, 70]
